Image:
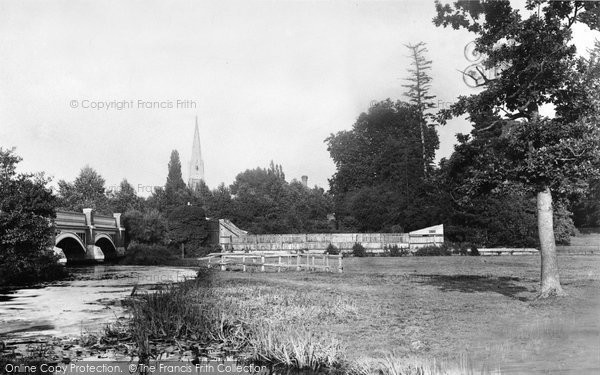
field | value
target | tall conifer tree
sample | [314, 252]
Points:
[418, 90]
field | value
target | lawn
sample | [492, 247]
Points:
[475, 312]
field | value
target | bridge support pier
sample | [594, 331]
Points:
[92, 252]
[120, 235]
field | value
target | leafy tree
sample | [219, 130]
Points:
[221, 207]
[125, 198]
[373, 208]
[87, 191]
[379, 160]
[146, 228]
[587, 209]
[203, 197]
[418, 93]
[259, 203]
[307, 209]
[535, 66]
[262, 201]
[175, 187]
[27, 208]
[504, 215]
[188, 227]
[276, 170]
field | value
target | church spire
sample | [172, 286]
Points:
[196, 162]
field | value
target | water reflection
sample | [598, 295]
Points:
[85, 304]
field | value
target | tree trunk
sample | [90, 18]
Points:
[182, 251]
[423, 147]
[550, 281]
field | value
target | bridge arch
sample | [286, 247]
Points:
[105, 242]
[71, 245]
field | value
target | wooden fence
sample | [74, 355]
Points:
[278, 261]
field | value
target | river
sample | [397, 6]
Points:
[85, 304]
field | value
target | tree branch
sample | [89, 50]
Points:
[488, 127]
[574, 18]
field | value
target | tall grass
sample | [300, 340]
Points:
[293, 347]
[257, 325]
[188, 310]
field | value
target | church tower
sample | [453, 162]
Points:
[196, 162]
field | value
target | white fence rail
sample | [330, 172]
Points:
[275, 261]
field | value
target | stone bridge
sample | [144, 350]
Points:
[86, 236]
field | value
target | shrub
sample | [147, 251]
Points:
[198, 252]
[386, 252]
[358, 250]
[431, 250]
[396, 251]
[332, 250]
[143, 254]
[19, 270]
[462, 248]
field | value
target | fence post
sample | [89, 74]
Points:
[243, 263]
[313, 263]
[223, 263]
[262, 261]
[209, 258]
[340, 264]
[297, 261]
[279, 262]
[308, 262]
[327, 263]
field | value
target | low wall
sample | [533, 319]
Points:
[508, 251]
[372, 242]
[578, 250]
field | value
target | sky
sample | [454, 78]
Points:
[117, 85]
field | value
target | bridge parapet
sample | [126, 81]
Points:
[105, 222]
[66, 219]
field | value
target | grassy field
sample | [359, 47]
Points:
[475, 313]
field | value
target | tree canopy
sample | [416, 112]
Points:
[124, 198]
[187, 226]
[175, 188]
[87, 191]
[27, 208]
[511, 142]
[379, 165]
